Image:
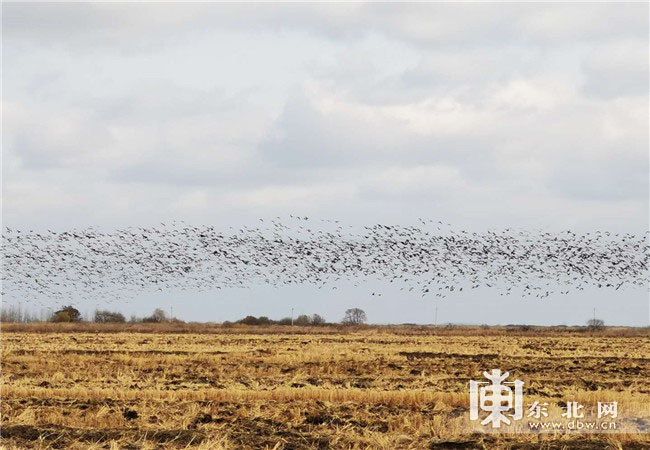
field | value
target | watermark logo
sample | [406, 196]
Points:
[608, 409]
[538, 410]
[496, 396]
[498, 402]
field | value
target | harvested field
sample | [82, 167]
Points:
[304, 388]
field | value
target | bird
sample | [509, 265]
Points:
[91, 263]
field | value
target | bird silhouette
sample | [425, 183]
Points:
[431, 259]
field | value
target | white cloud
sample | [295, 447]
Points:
[533, 94]
[418, 181]
[479, 112]
[618, 69]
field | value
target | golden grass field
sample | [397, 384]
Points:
[88, 386]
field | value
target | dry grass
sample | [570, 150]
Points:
[198, 386]
[399, 330]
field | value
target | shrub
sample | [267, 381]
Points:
[317, 319]
[595, 324]
[354, 316]
[67, 314]
[157, 317]
[61, 316]
[108, 317]
[263, 320]
[249, 320]
[303, 319]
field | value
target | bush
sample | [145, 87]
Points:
[303, 319]
[317, 319]
[158, 316]
[108, 317]
[249, 320]
[354, 316]
[61, 316]
[595, 324]
[67, 314]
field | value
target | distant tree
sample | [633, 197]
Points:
[595, 324]
[108, 317]
[157, 316]
[61, 316]
[317, 319]
[249, 320]
[263, 320]
[66, 314]
[15, 313]
[11, 313]
[302, 319]
[354, 316]
[285, 321]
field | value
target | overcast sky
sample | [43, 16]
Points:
[482, 115]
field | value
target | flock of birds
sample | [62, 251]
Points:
[431, 259]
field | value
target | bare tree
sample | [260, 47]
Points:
[108, 317]
[157, 316]
[354, 316]
[12, 313]
[595, 324]
[317, 319]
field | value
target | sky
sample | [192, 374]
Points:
[484, 115]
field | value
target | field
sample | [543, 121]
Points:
[163, 386]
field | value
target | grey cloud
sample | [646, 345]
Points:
[181, 171]
[572, 21]
[616, 177]
[155, 124]
[155, 100]
[618, 70]
[491, 121]
[139, 26]
[306, 137]
[71, 140]
[143, 26]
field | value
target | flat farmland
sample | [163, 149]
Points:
[301, 388]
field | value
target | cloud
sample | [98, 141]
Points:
[141, 26]
[333, 131]
[573, 21]
[618, 69]
[481, 112]
[43, 138]
[429, 182]
[611, 177]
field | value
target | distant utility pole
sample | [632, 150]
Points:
[291, 316]
[594, 315]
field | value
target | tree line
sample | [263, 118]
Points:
[12, 313]
[353, 316]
